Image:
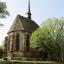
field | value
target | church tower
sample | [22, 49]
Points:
[17, 41]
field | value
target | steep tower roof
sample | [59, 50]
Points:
[29, 12]
[23, 24]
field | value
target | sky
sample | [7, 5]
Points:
[40, 9]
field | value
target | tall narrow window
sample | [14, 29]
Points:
[17, 42]
[27, 44]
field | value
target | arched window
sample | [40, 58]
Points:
[17, 42]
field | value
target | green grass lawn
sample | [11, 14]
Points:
[34, 62]
[28, 62]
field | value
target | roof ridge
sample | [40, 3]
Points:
[12, 25]
[20, 20]
[23, 23]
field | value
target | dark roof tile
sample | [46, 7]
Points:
[22, 23]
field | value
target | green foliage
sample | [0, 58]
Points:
[1, 50]
[3, 10]
[1, 53]
[49, 37]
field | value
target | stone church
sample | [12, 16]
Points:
[17, 41]
[17, 45]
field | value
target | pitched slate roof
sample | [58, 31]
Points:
[24, 24]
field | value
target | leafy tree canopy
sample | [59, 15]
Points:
[3, 10]
[50, 36]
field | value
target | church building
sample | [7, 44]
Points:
[17, 42]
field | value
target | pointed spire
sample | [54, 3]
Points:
[29, 13]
